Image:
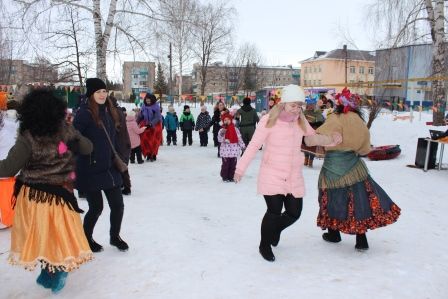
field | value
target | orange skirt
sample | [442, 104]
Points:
[48, 233]
[6, 201]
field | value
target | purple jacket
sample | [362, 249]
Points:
[230, 150]
[151, 114]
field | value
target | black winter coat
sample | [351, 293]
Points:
[96, 171]
[216, 119]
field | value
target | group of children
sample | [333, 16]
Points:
[229, 137]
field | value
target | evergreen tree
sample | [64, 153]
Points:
[161, 87]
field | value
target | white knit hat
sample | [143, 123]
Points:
[292, 93]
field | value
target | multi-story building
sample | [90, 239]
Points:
[187, 84]
[340, 67]
[13, 72]
[400, 73]
[224, 79]
[138, 77]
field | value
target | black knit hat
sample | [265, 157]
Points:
[94, 84]
[246, 101]
[186, 107]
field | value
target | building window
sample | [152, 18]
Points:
[352, 70]
[135, 76]
[314, 82]
[352, 81]
[361, 70]
[319, 82]
[370, 70]
[320, 69]
[306, 70]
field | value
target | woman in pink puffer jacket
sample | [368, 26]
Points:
[280, 179]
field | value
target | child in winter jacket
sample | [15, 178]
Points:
[231, 143]
[187, 125]
[134, 135]
[171, 123]
[203, 124]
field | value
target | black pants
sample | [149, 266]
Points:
[185, 134]
[203, 137]
[137, 151]
[171, 136]
[228, 168]
[274, 220]
[95, 200]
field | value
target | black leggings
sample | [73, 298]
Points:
[274, 222]
[95, 200]
[293, 206]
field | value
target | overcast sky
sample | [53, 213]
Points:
[288, 31]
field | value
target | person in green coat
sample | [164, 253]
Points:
[186, 124]
[248, 119]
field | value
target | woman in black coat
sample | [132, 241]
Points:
[96, 172]
[216, 119]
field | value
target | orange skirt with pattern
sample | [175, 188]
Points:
[47, 233]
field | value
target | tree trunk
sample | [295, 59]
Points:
[203, 79]
[438, 60]
[102, 39]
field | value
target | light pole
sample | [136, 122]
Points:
[170, 80]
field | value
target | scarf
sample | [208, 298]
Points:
[231, 133]
[342, 169]
[288, 117]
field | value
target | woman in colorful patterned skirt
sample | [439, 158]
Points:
[47, 227]
[350, 200]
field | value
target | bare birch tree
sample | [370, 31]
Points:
[179, 20]
[113, 19]
[212, 35]
[404, 22]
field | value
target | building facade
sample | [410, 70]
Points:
[138, 77]
[329, 70]
[187, 85]
[400, 73]
[224, 79]
[18, 72]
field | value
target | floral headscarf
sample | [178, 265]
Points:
[349, 100]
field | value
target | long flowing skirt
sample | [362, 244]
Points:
[356, 208]
[47, 232]
[150, 140]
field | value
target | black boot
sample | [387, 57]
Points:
[119, 243]
[361, 242]
[283, 222]
[268, 225]
[333, 236]
[266, 253]
[94, 246]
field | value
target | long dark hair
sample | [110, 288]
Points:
[41, 113]
[94, 109]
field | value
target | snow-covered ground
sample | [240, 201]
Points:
[193, 236]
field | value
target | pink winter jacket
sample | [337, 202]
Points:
[134, 131]
[282, 162]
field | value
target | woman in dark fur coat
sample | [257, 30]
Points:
[47, 228]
